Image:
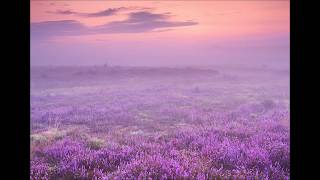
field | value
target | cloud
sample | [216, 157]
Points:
[55, 4]
[147, 16]
[143, 21]
[64, 12]
[106, 12]
[47, 29]
[137, 22]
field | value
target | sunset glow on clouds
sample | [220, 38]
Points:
[159, 32]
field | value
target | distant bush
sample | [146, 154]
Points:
[196, 90]
[38, 139]
[55, 133]
[44, 76]
[268, 104]
[95, 143]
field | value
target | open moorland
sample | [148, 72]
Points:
[105, 122]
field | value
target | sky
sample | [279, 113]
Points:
[160, 33]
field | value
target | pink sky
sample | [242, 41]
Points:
[159, 33]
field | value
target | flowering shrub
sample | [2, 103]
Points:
[196, 154]
[162, 128]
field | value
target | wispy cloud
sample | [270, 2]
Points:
[137, 22]
[143, 21]
[47, 29]
[64, 12]
[106, 12]
[57, 4]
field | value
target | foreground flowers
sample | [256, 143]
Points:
[237, 150]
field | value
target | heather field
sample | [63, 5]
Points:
[100, 122]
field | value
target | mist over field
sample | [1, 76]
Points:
[271, 51]
[160, 90]
[190, 122]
